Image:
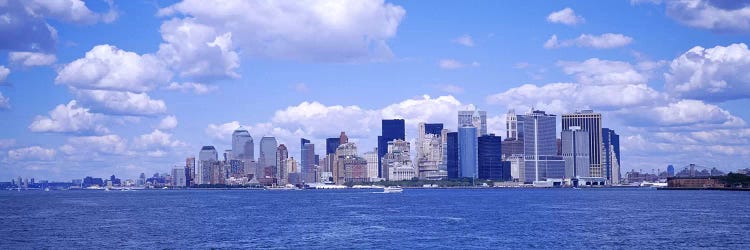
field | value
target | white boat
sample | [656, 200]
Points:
[46, 189]
[388, 190]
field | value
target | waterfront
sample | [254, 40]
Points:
[417, 218]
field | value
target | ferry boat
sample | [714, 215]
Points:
[389, 190]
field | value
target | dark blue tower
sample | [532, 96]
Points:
[391, 130]
[451, 160]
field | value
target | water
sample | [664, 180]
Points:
[496, 218]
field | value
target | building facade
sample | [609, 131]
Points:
[540, 147]
[611, 147]
[390, 130]
[397, 163]
[467, 152]
[451, 156]
[592, 122]
[490, 162]
[575, 152]
[474, 118]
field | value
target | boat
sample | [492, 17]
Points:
[46, 189]
[389, 190]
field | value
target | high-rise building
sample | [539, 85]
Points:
[281, 172]
[207, 157]
[268, 147]
[540, 147]
[345, 154]
[332, 144]
[490, 162]
[591, 122]
[179, 177]
[467, 152]
[429, 149]
[307, 161]
[390, 130]
[511, 125]
[243, 147]
[190, 168]
[451, 156]
[474, 118]
[397, 164]
[575, 152]
[513, 143]
[343, 138]
[611, 147]
[372, 164]
[432, 128]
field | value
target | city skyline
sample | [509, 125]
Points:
[89, 100]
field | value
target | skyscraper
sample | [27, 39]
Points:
[451, 156]
[491, 165]
[307, 160]
[540, 147]
[343, 138]
[179, 177]
[467, 152]
[511, 125]
[670, 171]
[208, 156]
[281, 157]
[575, 152]
[475, 118]
[429, 149]
[592, 123]
[390, 130]
[397, 164]
[332, 144]
[243, 147]
[268, 147]
[611, 146]
[372, 164]
[513, 143]
[433, 128]
[190, 168]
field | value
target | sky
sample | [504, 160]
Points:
[95, 88]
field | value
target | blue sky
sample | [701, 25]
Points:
[124, 87]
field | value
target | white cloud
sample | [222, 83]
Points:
[198, 51]
[222, 132]
[84, 147]
[718, 16]
[565, 16]
[121, 102]
[69, 118]
[454, 64]
[31, 153]
[715, 74]
[302, 30]
[109, 68]
[4, 72]
[169, 122]
[4, 102]
[687, 112]
[566, 97]
[320, 121]
[603, 41]
[156, 140]
[74, 11]
[464, 40]
[603, 72]
[425, 109]
[197, 88]
[30, 59]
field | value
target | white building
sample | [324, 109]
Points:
[397, 164]
[179, 179]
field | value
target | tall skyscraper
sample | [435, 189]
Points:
[331, 145]
[207, 157]
[390, 130]
[307, 160]
[467, 152]
[397, 164]
[190, 168]
[345, 154]
[243, 147]
[475, 118]
[451, 159]
[592, 123]
[281, 157]
[490, 162]
[372, 164]
[267, 160]
[611, 146]
[429, 150]
[433, 128]
[511, 125]
[540, 147]
[575, 152]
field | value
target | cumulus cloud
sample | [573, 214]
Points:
[110, 68]
[318, 120]
[198, 51]
[168, 122]
[156, 140]
[717, 16]
[74, 11]
[714, 74]
[31, 153]
[30, 59]
[565, 16]
[121, 102]
[69, 118]
[685, 112]
[300, 30]
[454, 64]
[464, 40]
[603, 41]
[603, 72]
[194, 87]
[566, 97]
[222, 132]
[87, 146]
